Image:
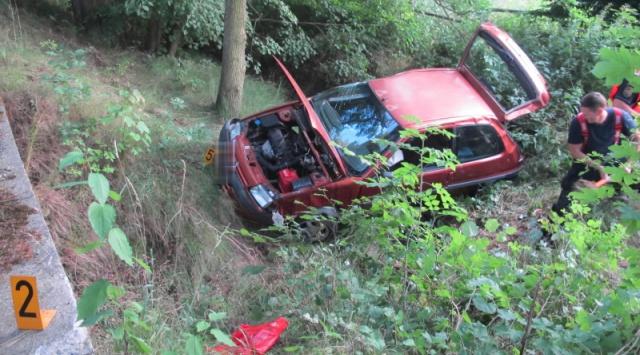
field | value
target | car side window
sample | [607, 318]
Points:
[438, 142]
[476, 142]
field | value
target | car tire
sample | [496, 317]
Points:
[323, 227]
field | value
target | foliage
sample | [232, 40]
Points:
[620, 60]
[199, 22]
[98, 156]
[405, 276]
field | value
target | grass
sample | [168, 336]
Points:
[174, 217]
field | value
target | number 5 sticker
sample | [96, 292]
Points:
[25, 303]
[208, 156]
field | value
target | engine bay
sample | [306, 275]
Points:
[291, 155]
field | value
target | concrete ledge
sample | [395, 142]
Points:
[62, 336]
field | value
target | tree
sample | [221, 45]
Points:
[234, 42]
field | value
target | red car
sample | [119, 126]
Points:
[280, 161]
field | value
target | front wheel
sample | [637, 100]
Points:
[321, 227]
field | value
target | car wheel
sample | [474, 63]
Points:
[321, 228]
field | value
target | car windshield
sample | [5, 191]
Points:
[356, 121]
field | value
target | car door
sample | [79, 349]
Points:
[430, 153]
[500, 71]
[482, 156]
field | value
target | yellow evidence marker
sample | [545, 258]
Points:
[208, 156]
[25, 303]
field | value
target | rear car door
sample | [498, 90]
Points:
[503, 74]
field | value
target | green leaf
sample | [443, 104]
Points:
[506, 314]
[253, 269]
[70, 184]
[102, 218]
[94, 319]
[214, 316]
[120, 245]
[99, 187]
[202, 326]
[89, 247]
[483, 305]
[470, 229]
[364, 329]
[114, 195]
[193, 345]
[70, 159]
[584, 319]
[222, 337]
[617, 65]
[114, 292]
[143, 264]
[118, 333]
[92, 298]
[630, 218]
[492, 225]
[142, 345]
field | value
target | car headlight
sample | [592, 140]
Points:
[261, 195]
[235, 131]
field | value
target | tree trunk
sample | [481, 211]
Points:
[176, 42]
[154, 34]
[229, 100]
[85, 8]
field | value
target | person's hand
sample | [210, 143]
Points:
[603, 175]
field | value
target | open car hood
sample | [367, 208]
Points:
[313, 117]
[500, 71]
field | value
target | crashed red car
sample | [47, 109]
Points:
[281, 161]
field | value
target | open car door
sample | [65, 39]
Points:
[503, 74]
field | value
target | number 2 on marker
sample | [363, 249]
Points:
[24, 292]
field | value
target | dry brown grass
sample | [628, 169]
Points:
[33, 121]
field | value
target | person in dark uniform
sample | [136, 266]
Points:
[624, 98]
[600, 122]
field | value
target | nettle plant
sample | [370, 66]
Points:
[97, 156]
[100, 299]
[68, 87]
[410, 274]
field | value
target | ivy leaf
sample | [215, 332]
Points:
[102, 218]
[120, 245]
[99, 187]
[92, 298]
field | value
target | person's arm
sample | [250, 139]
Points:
[623, 106]
[576, 153]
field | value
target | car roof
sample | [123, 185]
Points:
[433, 96]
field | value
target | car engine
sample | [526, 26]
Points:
[284, 149]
